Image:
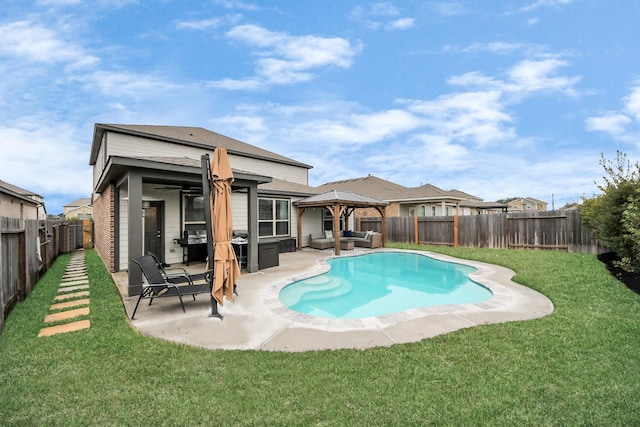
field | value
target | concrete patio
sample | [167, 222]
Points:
[256, 320]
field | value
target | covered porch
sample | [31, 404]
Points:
[157, 200]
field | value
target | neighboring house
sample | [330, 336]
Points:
[16, 202]
[426, 200]
[80, 209]
[147, 192]
[527, 204]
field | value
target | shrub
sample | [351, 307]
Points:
[614, 215]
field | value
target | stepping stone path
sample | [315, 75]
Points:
[72, 301]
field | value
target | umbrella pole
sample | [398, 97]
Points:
[214, 309]
[207, 193]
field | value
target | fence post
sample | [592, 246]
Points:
[455, 231]
[415, 227]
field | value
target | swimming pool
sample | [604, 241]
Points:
[382, 283]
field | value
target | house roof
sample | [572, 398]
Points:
[370, 186]
[527, 199]
[84, 201]
[466, 196]
[20, 193]
[192, 136]
[426, 191]
[382, 189]
[279, 186]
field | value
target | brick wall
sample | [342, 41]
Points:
[103, 217]
[392, 209]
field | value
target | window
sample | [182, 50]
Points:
[433, 211]
[194, 218]
[273, 217]
[327, 219]
[423, 210]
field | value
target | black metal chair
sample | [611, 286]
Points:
[159, 284]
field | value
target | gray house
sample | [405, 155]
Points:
[147, 195]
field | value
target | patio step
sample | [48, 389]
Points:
[72, 303]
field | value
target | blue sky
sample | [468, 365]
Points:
[494, 98]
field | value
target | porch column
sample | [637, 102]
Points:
[252, 246]
[134, 221]
[336, 229]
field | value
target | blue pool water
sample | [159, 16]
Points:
[382, 283]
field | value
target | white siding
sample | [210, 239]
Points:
[240, 211]
[275, 170]
[172, 227]
[311, 224]
[133, 146]
[99, 166]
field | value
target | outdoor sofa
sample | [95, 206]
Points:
[363, 239]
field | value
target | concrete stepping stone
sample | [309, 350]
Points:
[65, 315]
[74, 283]
[69, 304]
[72, 288]
[71, 295]
[67, 327]
[75, 274]
[73, 300]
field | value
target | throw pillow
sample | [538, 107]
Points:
[368, 234]
[328, 234]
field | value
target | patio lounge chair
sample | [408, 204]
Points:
[175, 272]
[161, 285]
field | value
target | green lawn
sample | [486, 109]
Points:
[578, 366]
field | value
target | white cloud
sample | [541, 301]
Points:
[632, 103]
[205, 24]
[126, 84]
[201, 24]
[358, 129]
[539, 75]
[612, 123]
[623, 125]
[234, 4]
[474, 117]
[400, 24]
[38, 147]
[381, 15]
[545, 3]
[449, 8]
[59, 2]
[27, 41]
[285, 59]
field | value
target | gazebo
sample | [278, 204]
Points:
[340, 203]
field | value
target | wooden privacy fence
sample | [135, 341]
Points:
[541, 230]
[27, 250]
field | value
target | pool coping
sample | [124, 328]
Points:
[257, 320]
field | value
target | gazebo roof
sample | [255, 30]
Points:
[340, 197]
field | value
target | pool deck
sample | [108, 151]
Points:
[256, 320]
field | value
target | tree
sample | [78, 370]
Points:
[614, 215]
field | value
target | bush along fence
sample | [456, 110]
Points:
[27, 250]
[554, 230]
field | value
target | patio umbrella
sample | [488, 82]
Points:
[225, 264]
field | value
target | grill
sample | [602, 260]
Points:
[194, 246]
